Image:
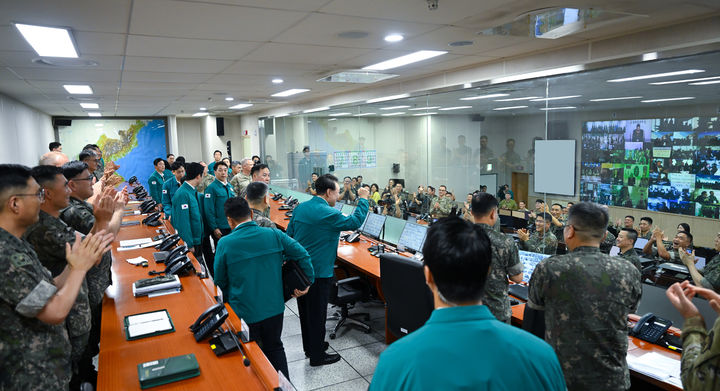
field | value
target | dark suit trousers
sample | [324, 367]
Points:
[267, 334]
[313, 313]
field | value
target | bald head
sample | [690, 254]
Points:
[54, 158]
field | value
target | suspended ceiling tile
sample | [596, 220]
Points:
[188, 48]
[182, 65]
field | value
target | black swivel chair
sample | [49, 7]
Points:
[343, 294]
[408, 299]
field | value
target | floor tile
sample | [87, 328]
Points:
[349, 337]
[305, 378]
[291, 326]
[352, 385]
[292, 304]
[363, 358]
[368, 378]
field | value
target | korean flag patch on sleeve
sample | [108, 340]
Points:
[184, 206]
[154, 183]
[208, 195]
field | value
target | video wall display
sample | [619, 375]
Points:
[666, 165]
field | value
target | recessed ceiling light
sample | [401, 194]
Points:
[48, 41]
[393, 114]
[650, 56]
[516, 99]
[364, 114]
[203, 109]
[357, 76]
[99, 125]
[704, 83]
[290, 92]
[394, 107]
[618, 98]
[425, 108]
[316, 109]
[199, 114]
[90, 105]
[555, 98]
[277, 80]
[229, 98]
[339, 114]
[94, 114]
[656, 75]
[558, 108]
[405, 60]
[456, 108]
[667, 99]
[332, 119]
[661, 83]
[79, 89]
[509, 108]
[394, 38]
[484, 96]
[241, 106]
[386, 98]
[417, 115]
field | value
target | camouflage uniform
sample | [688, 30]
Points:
[260, 218]
[48, 237]
[647, 235]
[674, 255]
[632, 256]
[205, 182]
[392, 207]
[711, 274]
[507, 204]
[557, 231]
[545, 245]
[424, 201]
[586, 296]
[239, 182]
[505, 262]
[444, 209]
[34, 355]
[701, 355]
[607, 243]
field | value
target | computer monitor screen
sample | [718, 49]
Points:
[615, 250]
[529, 261]
[393, 230]
[412, 219]
[373, 225]
[412, 237]
[347, 209]
[700, 263]
[640, 243]
[339, 205]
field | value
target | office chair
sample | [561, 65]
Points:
[408, 300]
[343, 294]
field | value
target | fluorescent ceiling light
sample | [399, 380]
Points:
[48, 41]
[90, 105]
[229, 98]
[394, 107]
[339, 114]
[650, 56]
[79, 89]
[394, 38]
[516, 99]
[364, 114]
[425, 108]
[290, 92]
[332, 119]
[467, 85]
[405, 60]
[385, 98]
[417, 115]
[704, 83]
[618, 98]
[203, 109]
[357, 76]
[199, 114]
[484, 96]
[558, 108]
[555, 98]
[392, 114]
[99, 125]
[655, 75]
[456, 108]
[509, 108]
[667, 99]
[537, 74]
[241, 106]
[316, 109]
[94, 114]
[278, 80]
[661, 83]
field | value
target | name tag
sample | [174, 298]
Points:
[184, 206]
[164, 191]
[207, 195]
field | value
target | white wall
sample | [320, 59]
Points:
[25, 132]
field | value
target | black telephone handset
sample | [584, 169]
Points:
[289, 200]
[209, 321]
[168, 243]
[152, 219]
[277, 197]
[176, 253]
[180, 265]
[650, 327]
[293, 202]
[353, 237]
[148, 206]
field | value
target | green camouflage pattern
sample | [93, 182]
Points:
[547, 244]
[700, 363]
[505, 262]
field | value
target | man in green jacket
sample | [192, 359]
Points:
[186, 210]
[170, 187]
[248, 269]
[214, 199]
[317, 225]
[157, 180]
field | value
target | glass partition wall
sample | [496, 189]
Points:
[646, 138]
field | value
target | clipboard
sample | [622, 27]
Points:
[147, 324]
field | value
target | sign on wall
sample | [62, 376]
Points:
[355, 159]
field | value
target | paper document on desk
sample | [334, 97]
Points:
[657, 366]
[136, 260]
[139, 246]
[149, 323]
[134, 242]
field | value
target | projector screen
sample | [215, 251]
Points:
[555, 167]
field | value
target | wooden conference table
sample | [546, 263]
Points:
[358, 257]
[119, 358]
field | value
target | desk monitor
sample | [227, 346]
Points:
[654, 300]
[412, 237]
[615, 250]
[640, 243]
[393, 229]
[347, 209]
[529, 261]
[373, 225]
[412, 219]
[339, 205]
[700, 263]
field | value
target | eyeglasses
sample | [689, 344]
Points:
[89, 178]
[40, 195]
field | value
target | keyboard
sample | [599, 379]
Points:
[519, 291]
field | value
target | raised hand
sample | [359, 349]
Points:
[679, 299]
[86, 253]
[363, 193]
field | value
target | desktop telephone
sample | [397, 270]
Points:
[153, 220]
[168, 243]
[209, 321]
[180, 264]
[650, 327]
[353, 237]
[277, 197]
[147, 206]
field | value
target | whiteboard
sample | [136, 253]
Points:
[489, 180]
[555, 167]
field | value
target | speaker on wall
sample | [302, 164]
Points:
[61, 122]
[229, 150]
[220, 122]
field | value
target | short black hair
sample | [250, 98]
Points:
[324, 183]
[546, 216]
[193, 170]
[589, 220]
[235, 163]
[458, 255]
[158, 160]
[306, 148]
[254, 156]
[236, 208]
[73, 169]
[180, 159]
[91, 146]
[359, 176]
[256, 191]
[483, 203]
[54, 145]
[86, 153]
[13, 176]
[257, 168]
[315, 173]
[431, 188]
[168, 155]
[688, 234]
[648, 219]
[176, 166]
[443, 186]
[347, 177]
[217, 151]
[631, 234]
[631, 217]
[540, 201]
[685, 226]
[557, 205]
[219, 164]
[45, 175]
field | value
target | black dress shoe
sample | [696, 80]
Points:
[326, 346]
[325, 360]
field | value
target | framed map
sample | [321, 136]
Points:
[355, 159]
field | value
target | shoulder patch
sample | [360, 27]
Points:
[184, 206]
[20, 260]
[208, 195]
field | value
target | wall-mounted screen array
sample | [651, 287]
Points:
[666, 165]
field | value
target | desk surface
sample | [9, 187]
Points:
[119, 358]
